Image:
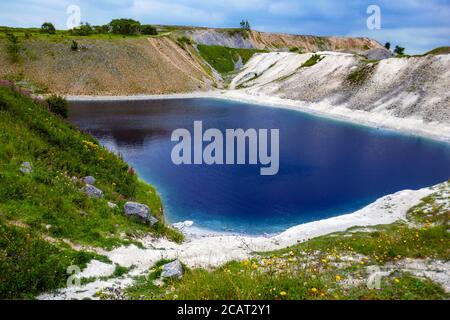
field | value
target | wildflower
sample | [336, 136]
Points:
[324, 260]
[283, 293]
[396, 280]
[338, 278]
[313, 290]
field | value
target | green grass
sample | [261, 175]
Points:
[223, 59]
[312, 61]
[243, 281]
[46, 204]
[440, 50]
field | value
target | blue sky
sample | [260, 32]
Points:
[417, 25]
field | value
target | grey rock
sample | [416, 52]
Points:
[92, 191]
[378, 54]
[26, 168]
[139, 210]
[152, 220]
[173, 269]
[182, 225]
[89, 180]
[214, 37]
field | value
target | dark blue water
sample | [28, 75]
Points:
[327, 167]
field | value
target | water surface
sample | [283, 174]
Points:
[327, 167]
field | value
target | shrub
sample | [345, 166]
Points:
[74, 46]
[84, 29]
[148, 29]
[399, 50]
[48, 27]
[58, 105]
[360, 75]
[311, 61]
[125, 26]
[387, 45]
[13, 48]
[101, 29]
[184, 40]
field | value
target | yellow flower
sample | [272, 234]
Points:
[283, 293]
[396, 280]
[324, 260]
[313, 290]
[338, 278]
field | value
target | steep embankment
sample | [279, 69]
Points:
[412, 87]
[107, 66]
[236, 38]
[50, 216]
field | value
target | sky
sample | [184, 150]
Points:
[417, 25]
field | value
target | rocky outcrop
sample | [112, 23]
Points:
[378, 54]
[414, 87]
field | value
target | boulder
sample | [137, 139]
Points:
[173, 269]
[139, 210]
[26, 168]
[182, 225]
[89, 180]
[92, 191]
[152, 220]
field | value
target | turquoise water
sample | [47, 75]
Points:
[327, 167]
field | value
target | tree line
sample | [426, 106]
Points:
[116, 26]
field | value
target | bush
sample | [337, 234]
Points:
[101, 29]
[148, 29]
[184, 40]
[58, 105]
[125, 26]
[48, 27]
[399, 50]
[84, 29]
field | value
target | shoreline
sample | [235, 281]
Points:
[409, 126]
[209, 251]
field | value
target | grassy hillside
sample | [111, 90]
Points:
[43, 215]
[102, 65]
[223, 59]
